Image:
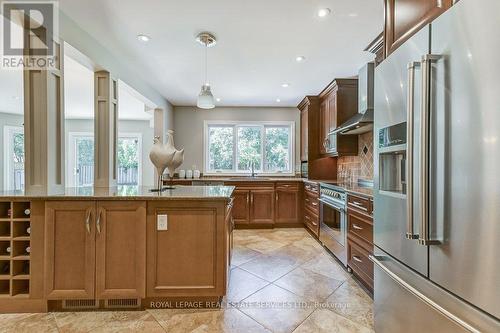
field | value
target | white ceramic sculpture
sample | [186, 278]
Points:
[165, 156]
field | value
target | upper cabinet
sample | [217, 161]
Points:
[377, 47]
[403, 18]
[309, 126]
[338, 103]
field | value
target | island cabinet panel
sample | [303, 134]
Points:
[241, 207]
[287, 203]
[189, 257]
[69, 249]
[121, 249]
[262, 206]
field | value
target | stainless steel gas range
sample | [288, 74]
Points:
[333, 220]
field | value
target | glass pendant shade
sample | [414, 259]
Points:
[205, 98]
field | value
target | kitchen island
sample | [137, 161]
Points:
[121, 247]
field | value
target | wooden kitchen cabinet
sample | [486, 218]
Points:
[121, 249]
[338, 103]
[241, 206]
[403, 18]
[262, 206]
[304, 139]
[287, 204]
[311, 207]
[189, 257]
[360, 238]
[95, 249]
[70, 249]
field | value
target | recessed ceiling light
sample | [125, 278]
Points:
[143, 38]
[324, 12]
[285, 85]
[300, 58]
[278, 100]
[353, 14]
[217, 99]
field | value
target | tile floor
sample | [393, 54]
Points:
[281, 280]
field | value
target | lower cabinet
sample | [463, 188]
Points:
[95, 249]
[188, 256]
[241, 206]
[267, 203]
[287, 204]
[262, 206]
[360, 238]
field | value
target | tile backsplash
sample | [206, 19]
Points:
[360, 166]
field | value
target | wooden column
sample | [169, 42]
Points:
[159, 130]
[105, 129]
[44, 125]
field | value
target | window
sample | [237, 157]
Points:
[233, 147]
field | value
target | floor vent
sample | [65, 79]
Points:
[123, 303]
[80, 304]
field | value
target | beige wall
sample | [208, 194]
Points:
[188, 126]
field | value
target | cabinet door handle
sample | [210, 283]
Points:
[277, 196]
[307, 200]
[357, 227]
[314, 203]
[248, 199]
[87, 220]
[356, 258]
[359, 205]
[98, 222]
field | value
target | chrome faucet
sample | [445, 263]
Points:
[253, 169]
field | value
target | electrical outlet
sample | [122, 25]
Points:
[162, 222]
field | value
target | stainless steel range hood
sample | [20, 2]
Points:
[362, 122]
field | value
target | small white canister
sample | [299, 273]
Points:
[196, 174]
[189, 174]
[182, 174]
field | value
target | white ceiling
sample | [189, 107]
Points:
[257, 44]
[78, 94]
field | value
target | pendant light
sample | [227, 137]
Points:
[205, 98]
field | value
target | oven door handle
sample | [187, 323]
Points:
[330, 204]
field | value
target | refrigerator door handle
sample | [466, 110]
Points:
[424, 238]
[378, 260]
[409, 149]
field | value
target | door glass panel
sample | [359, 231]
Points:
[128, 160]
[84, 160]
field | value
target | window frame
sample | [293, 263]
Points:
[236, 124]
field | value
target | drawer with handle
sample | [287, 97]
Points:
[312, 222]
[312, 188]
[361, 204]
[358, 260]
[311, 202]
[360, 225]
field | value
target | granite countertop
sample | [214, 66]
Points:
[127, 192]
[238, 179]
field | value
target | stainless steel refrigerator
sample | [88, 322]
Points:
[437, 176]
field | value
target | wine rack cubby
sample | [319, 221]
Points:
[15, 229]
